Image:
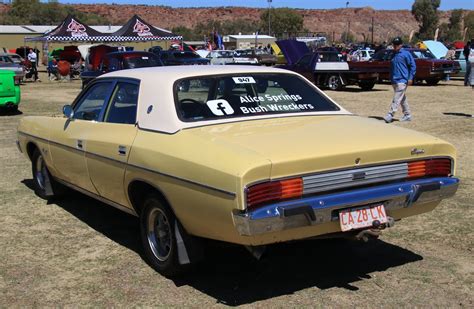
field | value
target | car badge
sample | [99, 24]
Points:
[416, 151]
[358, 176]
[357, 161]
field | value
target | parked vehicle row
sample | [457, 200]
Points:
[428, 68]
[325, 68]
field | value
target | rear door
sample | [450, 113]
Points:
[108, 146]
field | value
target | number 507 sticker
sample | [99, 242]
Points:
[244, 80]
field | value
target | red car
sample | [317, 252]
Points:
[428, 68]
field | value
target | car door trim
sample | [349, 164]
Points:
[98, 197]
[232, 194]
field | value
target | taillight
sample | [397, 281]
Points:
[16, 80]
[274, 191]
[434, 167]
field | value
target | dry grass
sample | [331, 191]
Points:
[80, 252]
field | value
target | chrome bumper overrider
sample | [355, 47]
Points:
[320, 209]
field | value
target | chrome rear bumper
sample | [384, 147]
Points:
[320, 209]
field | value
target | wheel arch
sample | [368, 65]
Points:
[137, 191]
[30, 149]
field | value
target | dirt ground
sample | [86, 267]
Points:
[77, 251]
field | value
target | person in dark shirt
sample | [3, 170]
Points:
[402, 73]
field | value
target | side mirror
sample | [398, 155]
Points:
[68, 111]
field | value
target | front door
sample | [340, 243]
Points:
[68, 145]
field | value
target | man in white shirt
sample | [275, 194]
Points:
[32, 57]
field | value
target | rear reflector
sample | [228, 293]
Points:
[434, 167]
[274, 191]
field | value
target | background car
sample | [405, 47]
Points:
[15, 58]
[362, 55]
[428, 68]
[116, 61]
[7, 63]
[221, 57]
[245, 56]
[459, 55]
[176, 57]
[10, 93]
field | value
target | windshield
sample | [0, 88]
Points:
[141, 61]
[422, 54]
[229, 96]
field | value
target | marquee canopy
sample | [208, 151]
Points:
[138, 30]
[135, 30]
[71, 30]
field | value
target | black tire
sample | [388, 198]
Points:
[366, 85]
[334, 82]
[432, 81]
[44, 184]
[157, 225]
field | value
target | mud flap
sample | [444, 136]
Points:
[189, 248]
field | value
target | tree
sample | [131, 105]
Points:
[454, 31]
[426, 13]
[469, 23]
[34, 12]
[282, 20]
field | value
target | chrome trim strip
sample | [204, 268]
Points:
[98, 197]
[232, 194]
[270, 218]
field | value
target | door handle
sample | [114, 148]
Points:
[79, 144]
[122, 150]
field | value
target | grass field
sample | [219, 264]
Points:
[77, 251]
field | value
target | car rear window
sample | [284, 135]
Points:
[229, 96]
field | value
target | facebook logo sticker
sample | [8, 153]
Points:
[220, 107]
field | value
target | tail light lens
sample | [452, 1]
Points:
[16, 80]
[274, 191]
[434, 167]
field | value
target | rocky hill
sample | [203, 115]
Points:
[333, 22]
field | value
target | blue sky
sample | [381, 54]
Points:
[307, 4]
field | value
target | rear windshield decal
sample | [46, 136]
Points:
[244, 80]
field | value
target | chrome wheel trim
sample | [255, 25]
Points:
[41, 174]
[159, 234]
[333, 82]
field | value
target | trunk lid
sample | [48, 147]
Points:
[305, 145]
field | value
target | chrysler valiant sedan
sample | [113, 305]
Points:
[241, 154]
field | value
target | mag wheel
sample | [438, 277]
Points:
[334, 82]
[157, 229]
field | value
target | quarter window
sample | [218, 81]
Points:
[90, 105]
[123, 107]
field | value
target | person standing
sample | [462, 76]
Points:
[402, 73]
[32, 58]
[466, 52]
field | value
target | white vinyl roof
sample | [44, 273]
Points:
[156, 103]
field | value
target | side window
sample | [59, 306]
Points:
[90, 105]
[123, 106]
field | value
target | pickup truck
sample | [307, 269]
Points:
[325, 68]
[428, 68]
